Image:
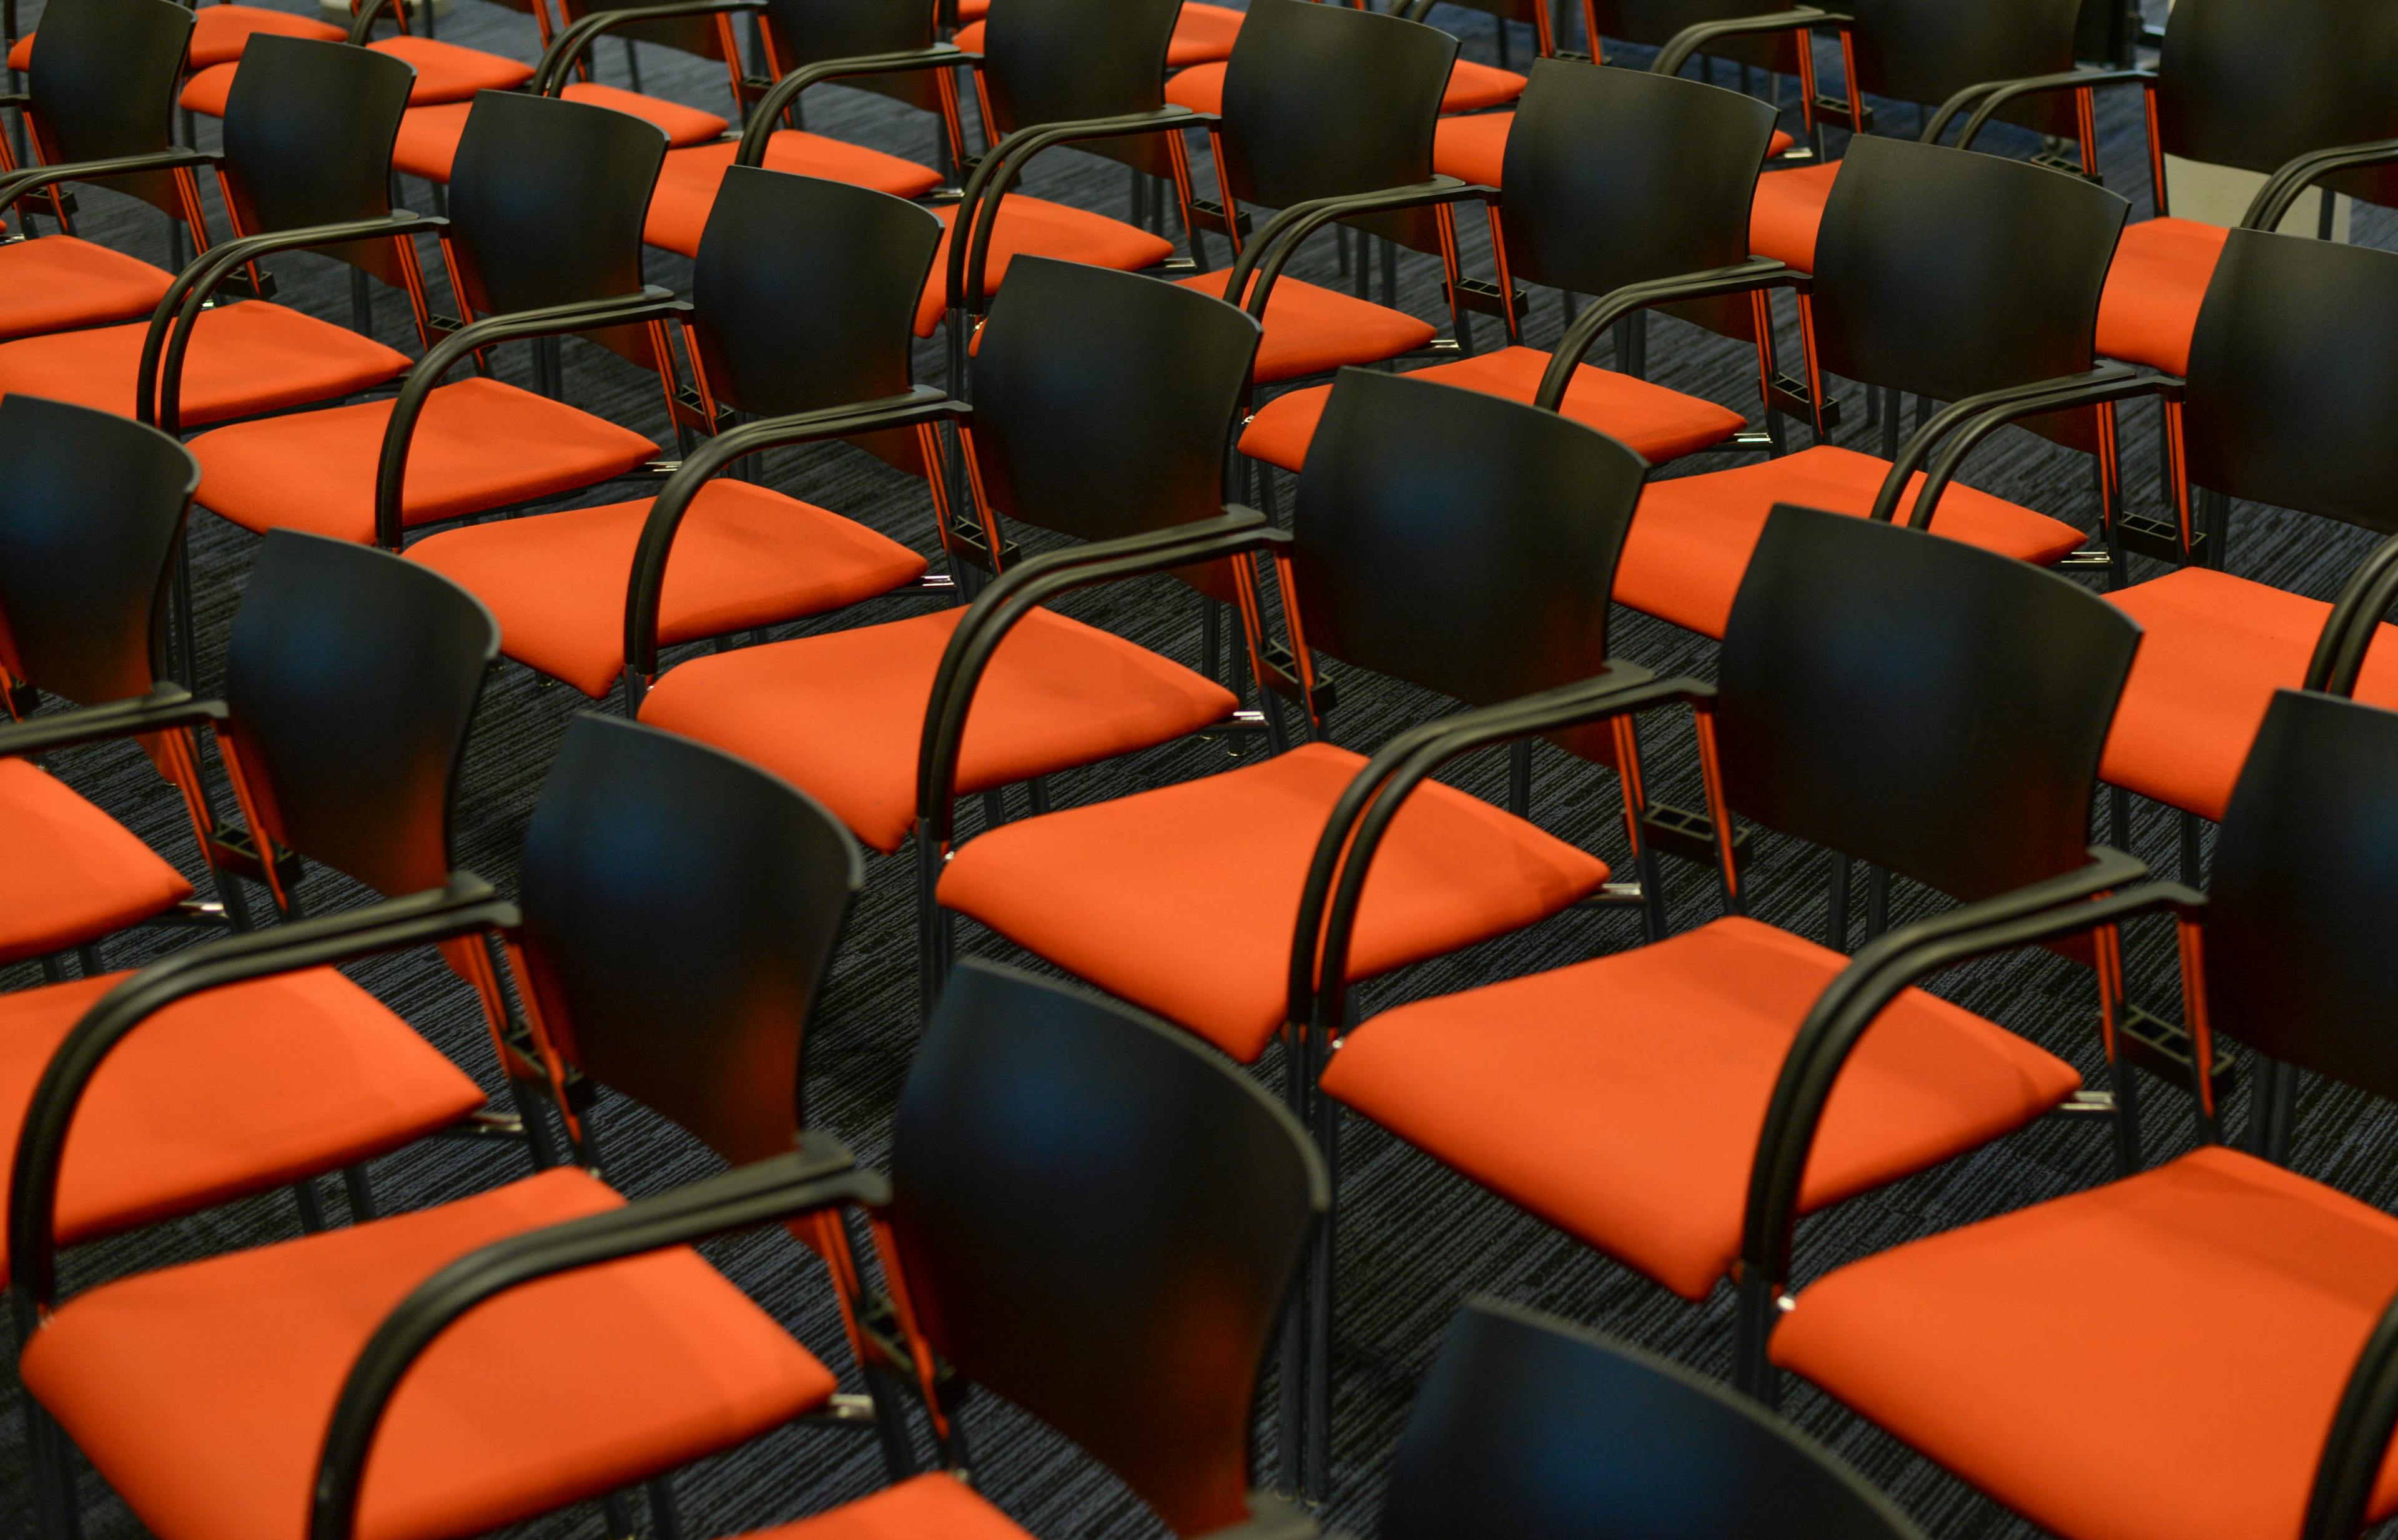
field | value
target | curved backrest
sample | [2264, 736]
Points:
[1529, 1428]
[805, 293]
[352, 678]
[1104, 402]
[1926, 52]
[1949, 273]
[91, 504]
[810, 32]
[1322, 101]
[1654, 23]
[1461, 541]
[2258, 83]
[680, 908]
[703, 36]
[1097, 1220]
[2298, 961]
[1618, 176]
[308, 132]
[1058, 60]
[2291, 391]
[104, 74]
[546, 201]
[1929, 705]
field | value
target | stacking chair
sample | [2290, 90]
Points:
[221, 30]
[679, 911]
[542, 239]
[445, 72]
[1932, 709]
[804, 302]
[2165, 1354]
[1085, 1217]
[1469, 86]
[307, 145]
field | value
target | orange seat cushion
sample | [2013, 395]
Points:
[2213, 650]
[687, 185]
[2154, 1360]
[427, 145]
[922, 1508]
[1185, 899]
[842, 716]
[1203, 34]
[69, 873]
[2149, 311]
[228, 1092]
[1659, 423]
[220, 32]
[1474, 147]
[1200, 88]
[1032, 226]
[444, 73]
[1691, 537]
[480, 444]
[744, 556]
[1471, 87]
[1621, 1099]
[21, 58]
[1311, 329]
[1788, 210]
[54, 282]
[245, 359]
[202, 1392]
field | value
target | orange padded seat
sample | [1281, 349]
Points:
[202, 1392]
[2213, 650]
[480, 444]
[2154, 1360]
[444, 73]
[1030, 226]
[1311, 329]
[1691, 537]
[743, 556]
[1471, 87]
[938, 1506]
[2149, 311]
[245, 359]
[1658, 423]
[842, 716]
[687, 185]
[1788, 210]
[428, 144]
[1184, 899]
[21, 58]
[1203, 34]
[228, 1093]
[1621, 1099]
[54, 282]
[1474, 148]
[219, 33]
[69, 873]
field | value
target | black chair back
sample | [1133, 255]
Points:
[2258, 83]
[1060, 61]
[1926, 52]
[546, 201]
[812, 31]
[101, 82]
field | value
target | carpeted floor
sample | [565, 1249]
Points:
[1415, 1238]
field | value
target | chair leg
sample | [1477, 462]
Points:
[310, 1204]
[1316, 1487]
[618, 1516]
[1752, 1371]
[1519, 778]
[890, 1422]
[360, 1194]
[2190, 861]
[1211, 638]
[51, 1468]
[1836, 921]
[665, 1516]
[2126, 1083]
[2119, 818]
[87, 959]
[362, 303]
[935, 940]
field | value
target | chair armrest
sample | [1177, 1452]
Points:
[365, 13]
[1287, 231]
[2356, 619]
[2341, 1495]
[2281, 189]
[1992, 95]
[1690, 40]
[922, 404]
[166, 707]
[466, 906]
[820, 1174]
[1989, 414]
[1271, 1517]
[15, 184]
[787, 91]
[549, 75]
[1594, 322]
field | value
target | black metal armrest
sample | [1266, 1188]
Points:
[363, 19]
[820, 1174]
[653, 303]
[2355, 621]
[2281, 189]
[777, 100]
[1275, 246]
[1271, 1517]
[1991, 412]
[2339, 1500]
[1690, 40]
[921, 404]
[549, 75]
[1594, 322]
[466, 906]
[166, 707]
[17, 184]
[1993, 95]
[1017, 592]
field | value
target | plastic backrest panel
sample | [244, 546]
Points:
[1926, 52]
[547, 199]
[2258, 83]
[810, 32]
[308, 132]
[1059, 60]
[104, 76]
[1323, 102]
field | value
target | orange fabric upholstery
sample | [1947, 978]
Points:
[1789, 208]
[220, 32]
[1203, 34]
[1311, 329]
[21, 58]
[1691, 537]
[228, 1093]
[1471, 87]
[2154, 1360]
[842, 716]
[920, 1509]
[202, 1391]
[1474, 147]
[2213, 650]
[480, 444]
[1659, 423]
[1184, 899]
[54, 282]
[444, 73]
[1200, 88]
[245, 359]
[427, 145]
[2149, 311]
[687, 185]
[1621, 1098]
[69, 873]
[1030, 226]
[743, 556]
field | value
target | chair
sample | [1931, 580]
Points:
[2071, 1358]
[307, 145]
[1470, 85]
[805, 298]
[679, 911]
[445, 72]
[542, 239]
[1669, 199]
[1116, 1273]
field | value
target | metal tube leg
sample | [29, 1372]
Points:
[312, 1207]
[2126, 1086]
[1519, 778]
[541, 1144]
[666, 1518]
[50, 1466]
[359, 1192]
[2190, 860]
[1317, 1484]
[362, 303]
[618, 1514]
[1836, 925]
[1211, 638]
[2119, 818]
